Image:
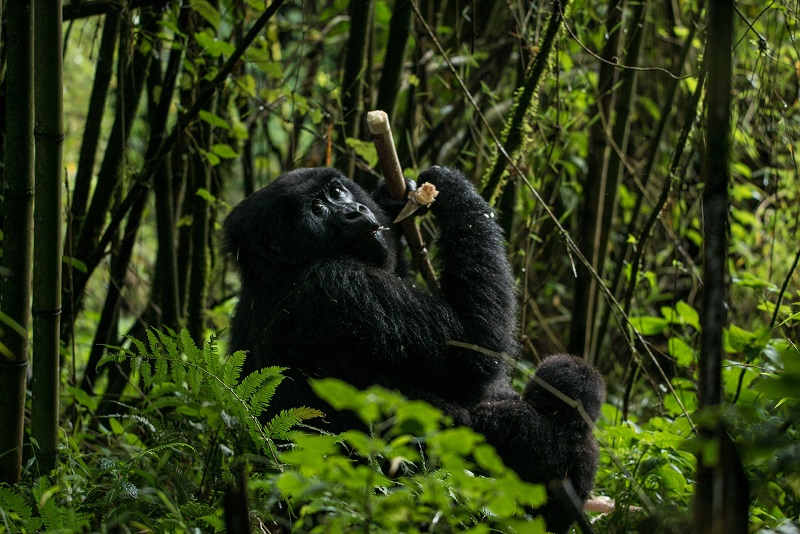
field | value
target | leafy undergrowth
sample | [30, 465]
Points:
[163, 462]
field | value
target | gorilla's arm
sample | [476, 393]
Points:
[476, 278]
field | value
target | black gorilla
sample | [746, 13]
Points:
[323, 294]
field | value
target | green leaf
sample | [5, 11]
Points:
[688, 314]
[749, 280]
[681, 351]
[262, 59]
[207, 11]
[786, 383]
[213, 46]
[83, 398]
[14, 503]
[75, 263]
[365, 150]
[116, 426]
[206, 195]
[339, 394]
[213, 159]
[736, 339]
[280, 425]
[487, 458]
[649, 326]
[260, 395]
[14, 325]
[224, 151]
[233, 368]
[214, 120]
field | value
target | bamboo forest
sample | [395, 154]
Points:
[212, 317]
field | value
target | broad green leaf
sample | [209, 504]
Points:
[688, 314]
[649, 326]
[211, 158]
[214, 120]
[206, 195]
[224, 151]
[365, 150]
[747, 279]
[213, 46]
[681, 351]
[75, 263]
[262, 59]
[207, 11]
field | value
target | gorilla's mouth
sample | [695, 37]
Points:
[372, 247]
[377, 230]
[373, 233]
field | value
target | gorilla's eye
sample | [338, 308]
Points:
[336, 191]
[317, 208]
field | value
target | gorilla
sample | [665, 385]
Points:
[323, 293]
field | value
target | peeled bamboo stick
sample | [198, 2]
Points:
[378, 122]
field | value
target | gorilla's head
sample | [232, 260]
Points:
[304, 216]
[561, 380]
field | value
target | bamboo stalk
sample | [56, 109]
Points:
[18, 190]
[378, 122]
[47, 246]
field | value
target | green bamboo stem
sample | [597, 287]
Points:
[47, 248]
[353, 77]
[391, 72]
[15, 294]
[721, 497]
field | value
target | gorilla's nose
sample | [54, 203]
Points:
[356, 214]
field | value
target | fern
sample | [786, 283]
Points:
[280, 425]
[259, 396]
[197, 381]
[233, 368]
[12, 504]
[54, 516]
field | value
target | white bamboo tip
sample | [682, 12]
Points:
[378, 122]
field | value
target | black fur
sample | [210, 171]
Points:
[323, 295]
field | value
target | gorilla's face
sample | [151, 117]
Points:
[308, 215]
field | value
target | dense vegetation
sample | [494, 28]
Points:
[598, 130]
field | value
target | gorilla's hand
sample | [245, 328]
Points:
[389, 205]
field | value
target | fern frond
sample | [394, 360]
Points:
[114, 355]
[162, 370]
[12, 502]
[55, 517]
[152, 340]
[211, 360]
[279, 426]
[159, 448]
[261, 398]
[233, 368]
[189, 347]
[250, 384]
[146, 371]
[143, 352]
[169, 344]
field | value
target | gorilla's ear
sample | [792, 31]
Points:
[232, 232]
[245, 236]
